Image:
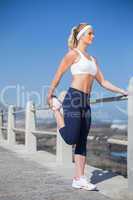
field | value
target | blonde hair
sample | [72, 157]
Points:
[72, 40]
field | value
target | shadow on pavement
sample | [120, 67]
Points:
[101, 175]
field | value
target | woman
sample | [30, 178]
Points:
[75, 122]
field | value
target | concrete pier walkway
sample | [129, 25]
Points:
[26, 176]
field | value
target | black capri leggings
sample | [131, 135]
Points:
[77, 119]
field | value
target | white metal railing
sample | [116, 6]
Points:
[64, 151]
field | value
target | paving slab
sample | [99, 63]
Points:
[25, 175]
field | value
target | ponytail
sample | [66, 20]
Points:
[72, 41]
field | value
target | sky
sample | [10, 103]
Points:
[33, 40]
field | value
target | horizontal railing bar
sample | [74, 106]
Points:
[117, 141]
[3, 127]
[44, 132]
[19, 129]
[42, 108]
[109, 99]
[93, 101]
[19, 111]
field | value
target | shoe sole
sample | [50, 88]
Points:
[82, 187]
[77, 187]
[88, 188]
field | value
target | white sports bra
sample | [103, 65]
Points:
[84, 65]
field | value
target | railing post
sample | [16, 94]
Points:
[130, 136]
[11, 138]
[63, 151]
[1, 124]
[30, 139]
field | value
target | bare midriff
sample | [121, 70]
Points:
[82, 82]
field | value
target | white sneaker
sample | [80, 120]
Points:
[56, 103]
[83, 183]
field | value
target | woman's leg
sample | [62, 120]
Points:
[80, 149]
[80, 162]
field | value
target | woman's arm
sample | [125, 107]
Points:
[67, 60]
[106, 84]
